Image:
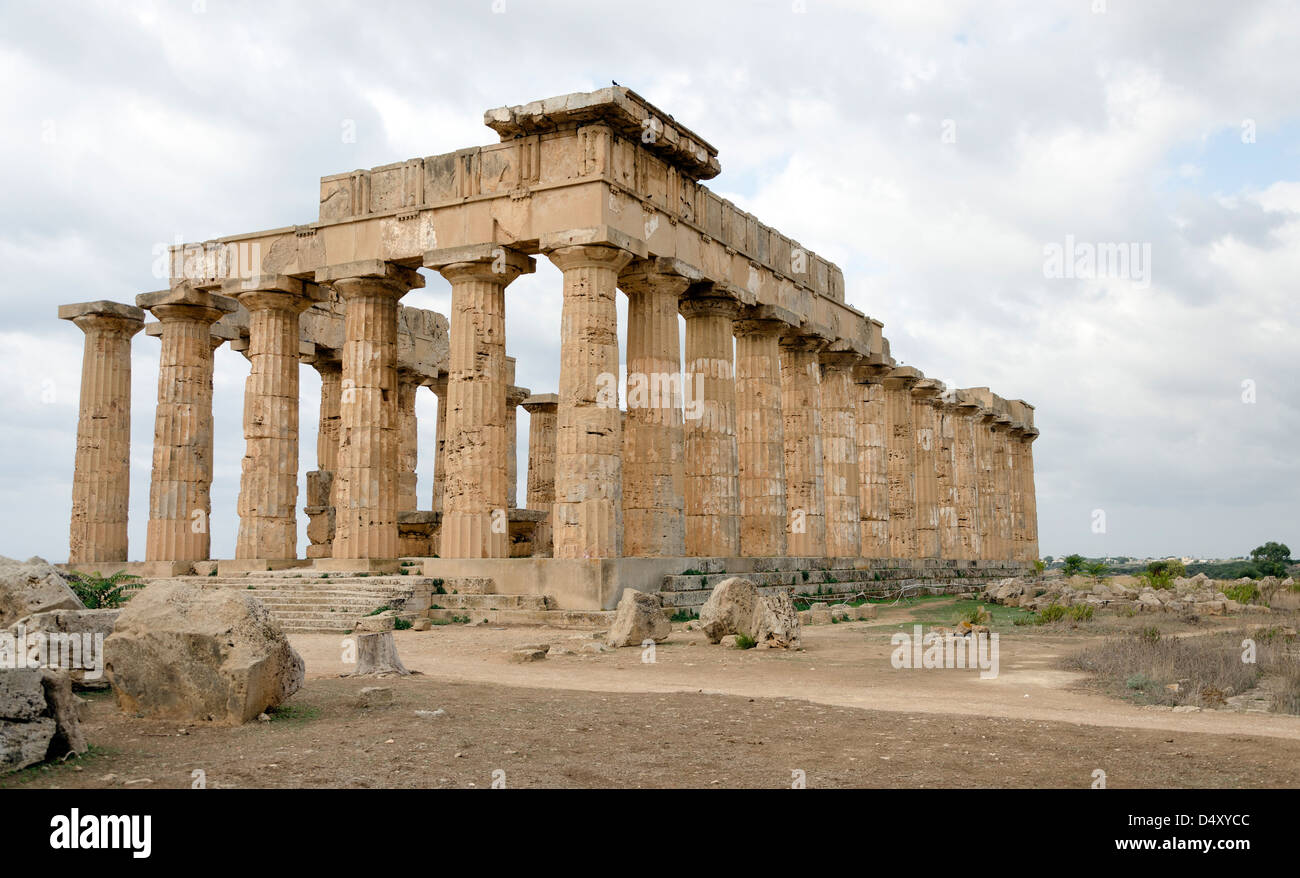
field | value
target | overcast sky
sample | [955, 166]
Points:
[941, 153]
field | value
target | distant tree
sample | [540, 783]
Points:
[1072, 564]
[1048, 560]
[1096, 568]
[1271, 558]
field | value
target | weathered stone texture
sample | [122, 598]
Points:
[712, 470]
[760, 439]
[840, 451]
[805, 486]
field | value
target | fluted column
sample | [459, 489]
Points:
[588, 509]
[474, 517]
[320, 482]
[408, 441]
[946, 477]
[902, 461]
[924, 416]
[1002, 471]
[802, 422]
[180, 489]
[839, 399]
[541, 465]
[268, 485]
[760, 438]
[712, 468]
[967, 426]
[514, 398]
[873, 461]
[654, 487]
[101, 479]
[1031, 497]
[366, 481]
[987, 482]
[1015, 463]
[439, 387]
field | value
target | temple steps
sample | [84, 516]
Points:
[325, 604]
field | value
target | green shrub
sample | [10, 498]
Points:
[400, 624]
[1149, 634]
[1081, 612]
[103, 592]
[744, 641]
[1244, 593]
[1051, 613]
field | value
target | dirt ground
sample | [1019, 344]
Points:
[698, 716]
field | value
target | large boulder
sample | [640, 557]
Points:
[186, 653]
[736, 607]
[38, 718]
[90, 628]
[640, 617]
[32, 586]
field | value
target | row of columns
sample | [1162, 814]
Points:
[774, 442]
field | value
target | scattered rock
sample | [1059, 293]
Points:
[639, 617]
[729, 641]
[32, 586]
[38, 718]
[84, 624]
[422, 624]
[595, 647]
[375, 696]
[384, 621]
[526, 654]
[185, 653]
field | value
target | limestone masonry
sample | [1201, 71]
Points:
[783, 430]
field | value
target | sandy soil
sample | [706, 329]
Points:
[699, 715]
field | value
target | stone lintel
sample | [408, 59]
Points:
[661, 265]
[101, 308]
[903, 376]
[501, 254]
[541, 402]
[185, 294]
[869, 372]
[596, 235]
[854, 349]
[623, 110]
[928, 389]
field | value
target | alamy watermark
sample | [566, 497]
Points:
[1083, 260]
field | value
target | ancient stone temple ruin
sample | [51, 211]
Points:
[783, 438]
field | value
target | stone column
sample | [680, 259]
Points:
[180, 490]
[1002, 541]
[873, 460]
[760, 438]
[839, 399]
[514, 398]
[802, 422]
[1031, 498]
[101, 478]
[541, 465]
[987, 484]
[712, 468]
[968, 427]
[587, 518]
[408, 441]
[901, 437]
[924, 397]
[654, 486]
[320, 482]
[268, 485]
[946, 476]
[1015, 463]
[439, 387]
[366, 480]
[475, 521]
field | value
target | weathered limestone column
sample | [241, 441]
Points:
[840, 452]
[408, 441]
[180, 490]
[712, 468]
[1015, 464]
[946, 476]
[654, 481]
[101, 478]
[1002, 541]
[802, 421]
[873, 460]
[320, 482]
[1031, 497]
[760, 437]
[514, 398]
[268, 485]
[366, 481]
[901, 436]
[924, 397]
[967, 425]
[474, 516]
[588, 509]
[987, 481]
[439, 387]
[541, 465]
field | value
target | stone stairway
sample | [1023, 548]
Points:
[512, 609]
[328, 604]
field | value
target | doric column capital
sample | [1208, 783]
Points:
[761, 320]
[273, 292]
[541, 402]
[658, 275]
[104, 316]
[928, 390]
[589, 256]
[692, 305]
[370, 277]
[494, 263]
[871, 373]
[185, 302]
[837, 361]
[902, 378]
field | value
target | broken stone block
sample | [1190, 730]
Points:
[639, 617]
